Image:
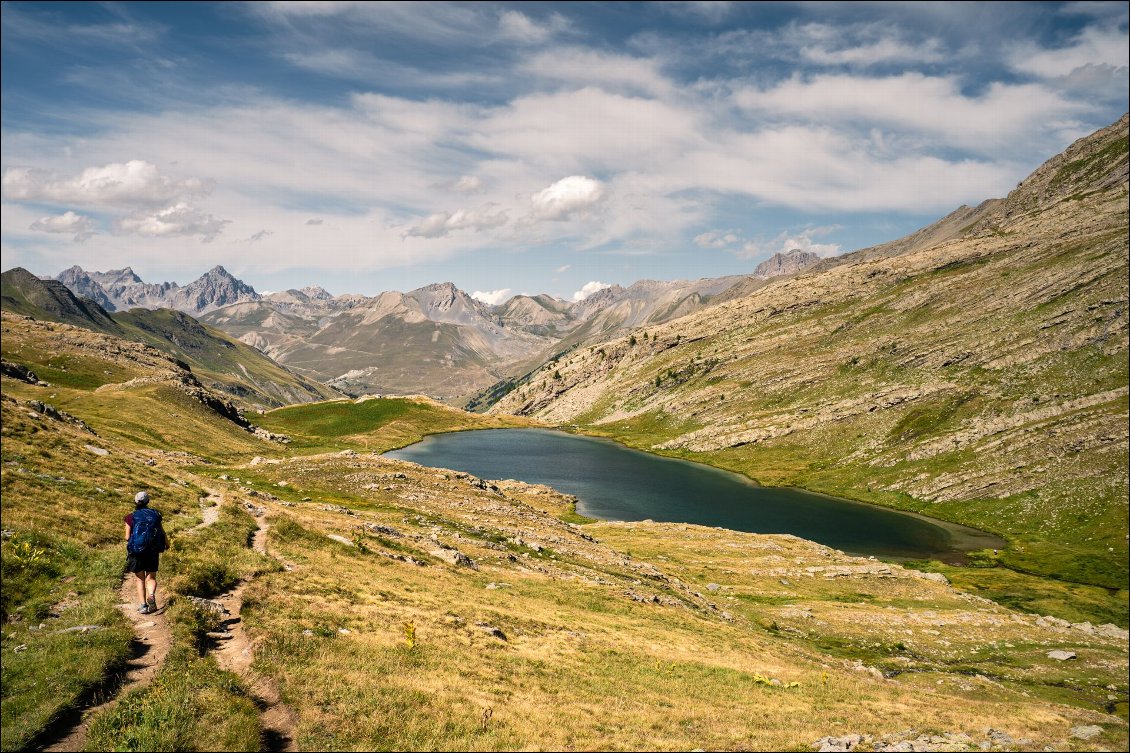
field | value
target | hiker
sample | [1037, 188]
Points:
[145, 540]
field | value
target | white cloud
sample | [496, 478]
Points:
[584, 67]
[314, 221]
[588, 289]
[181, 219]
[589, 130]
[491, 297]
[563, 268]
[788, 241]
[68, 223]
[440, 224]
[1106, 46]
[467, 184]
[519, 27]
[136, 183]
[259, 236]
[928, 105]
[566, 197]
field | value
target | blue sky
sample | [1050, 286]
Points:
[525, 147]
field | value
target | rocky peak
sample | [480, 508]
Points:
[439, 294]
[788, 263]
[82, 284]
[116, 277]
[316, 293]
[215, 288]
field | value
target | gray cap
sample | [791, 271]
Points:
[141, 499]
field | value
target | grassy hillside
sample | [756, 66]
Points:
[228, 365]
[376, 424]
[983, 380]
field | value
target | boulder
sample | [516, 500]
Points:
[1086, 731]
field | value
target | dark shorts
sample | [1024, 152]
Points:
[142, 563]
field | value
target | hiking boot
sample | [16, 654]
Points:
[152, 604]
[144, 609]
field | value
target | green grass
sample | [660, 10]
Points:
[57, 670]
[379, 424]
[191, 704]
[212, 560]
[1074, 602]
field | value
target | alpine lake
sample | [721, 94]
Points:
[613, 482]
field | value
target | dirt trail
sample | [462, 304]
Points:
[235, 654]
[152, 639]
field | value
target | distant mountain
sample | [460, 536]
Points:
[789, 263]
[435, 340]
[541, 315]
[215, 288]
[82, 284]
[220, 362]
[122, 289]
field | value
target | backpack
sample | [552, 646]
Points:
[146, 536]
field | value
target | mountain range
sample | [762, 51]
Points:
[435, 340]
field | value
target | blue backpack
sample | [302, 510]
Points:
[146, 535]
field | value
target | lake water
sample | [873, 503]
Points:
[613, 482]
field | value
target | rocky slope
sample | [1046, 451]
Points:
[982, 378]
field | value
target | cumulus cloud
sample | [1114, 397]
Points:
[588, 289]
[440, 224]
[491, 297]
[566, 197]
[68, 223]
[136, 183]
[467, 184]
[789, 241]
[180, 219]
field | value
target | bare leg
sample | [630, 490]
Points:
[151, 586]
[140, 587]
